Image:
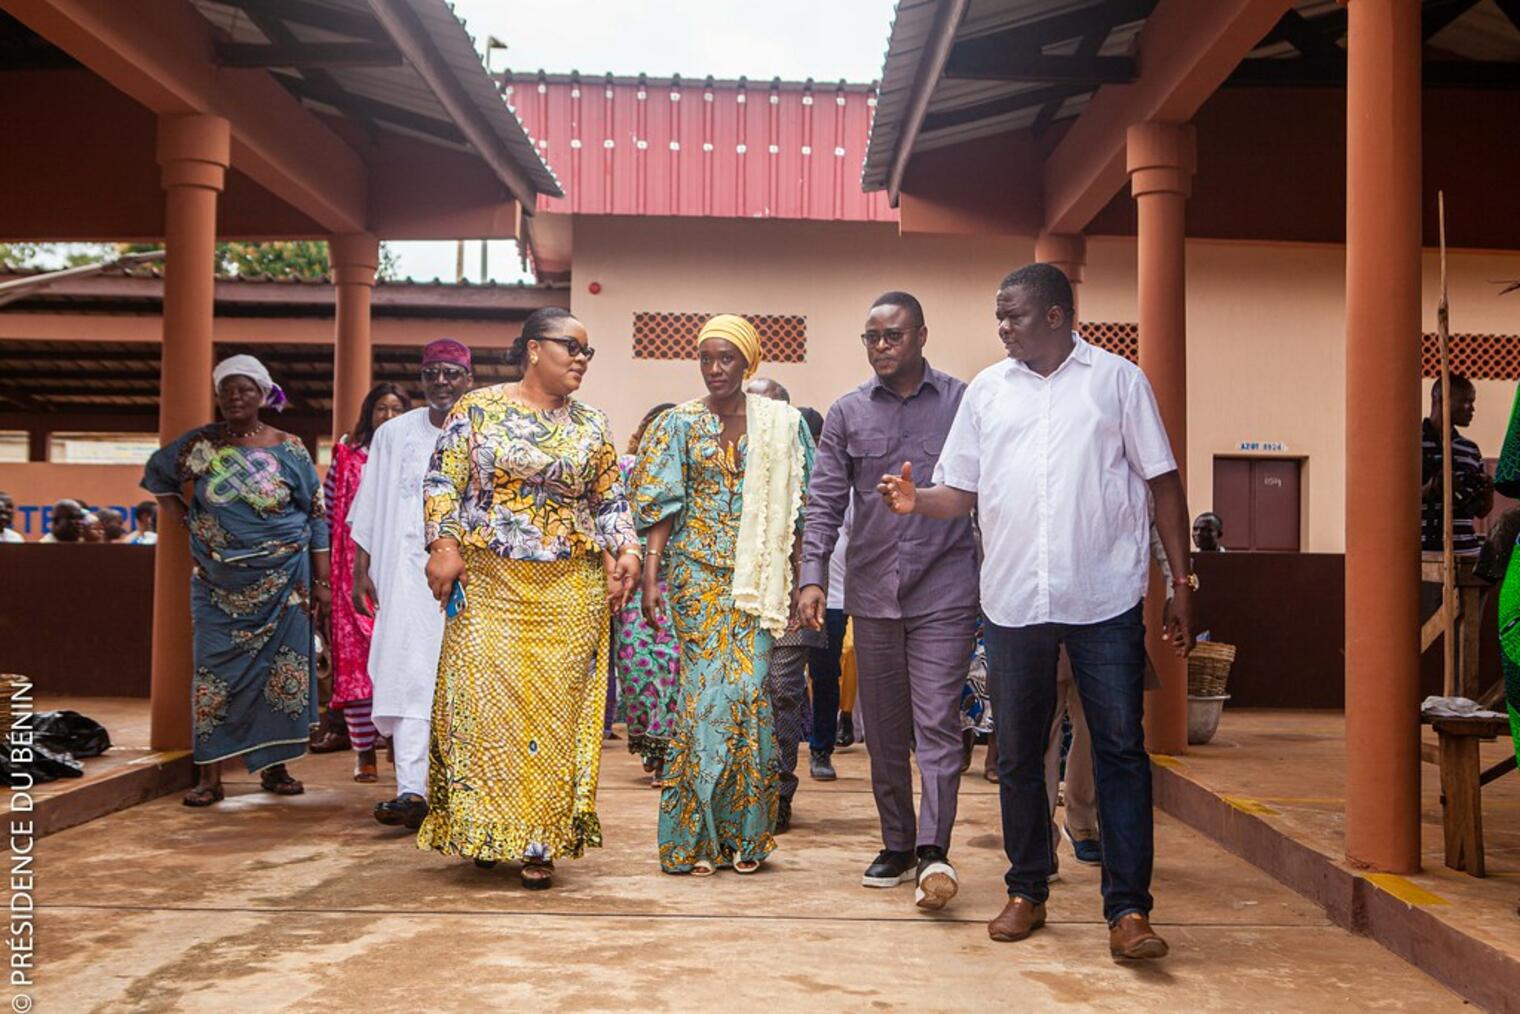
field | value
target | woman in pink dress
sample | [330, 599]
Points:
[350, 635]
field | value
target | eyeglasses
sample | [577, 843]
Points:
[573, 347]
[893, 337]
[449, 373]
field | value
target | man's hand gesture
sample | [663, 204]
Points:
[898, 490]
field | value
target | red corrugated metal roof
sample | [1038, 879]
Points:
[726, 149]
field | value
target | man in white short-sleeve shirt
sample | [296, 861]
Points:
[1060, 449]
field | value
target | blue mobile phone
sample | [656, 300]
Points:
[456, 601]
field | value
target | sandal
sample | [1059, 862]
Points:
[328, 742]
[365, 769]
[277, 780]
[537, 875]
[703, 868]
[485, 864]
[746, 866]
[204, 795]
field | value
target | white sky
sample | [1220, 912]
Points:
[791, 39]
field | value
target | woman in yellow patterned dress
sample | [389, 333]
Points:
[719, 485]
[526, 515]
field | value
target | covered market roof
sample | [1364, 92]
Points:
[956, 70]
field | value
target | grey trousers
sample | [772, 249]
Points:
[1081, 792]
[910, 673]
[786, 686]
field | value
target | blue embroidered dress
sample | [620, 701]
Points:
[255, 516]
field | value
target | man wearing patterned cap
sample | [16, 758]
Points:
[390, 559]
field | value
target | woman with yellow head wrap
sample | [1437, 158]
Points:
[718, 490]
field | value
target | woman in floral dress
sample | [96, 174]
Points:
[525, 515]
[249, 495]
[646, 658]
[719, 485]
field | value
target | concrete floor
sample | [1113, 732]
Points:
[267, 903]
[1289, 769]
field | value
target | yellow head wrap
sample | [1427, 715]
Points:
[740, 333]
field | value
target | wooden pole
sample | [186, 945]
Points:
[1448, 554]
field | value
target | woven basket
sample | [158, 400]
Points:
[1209, 668]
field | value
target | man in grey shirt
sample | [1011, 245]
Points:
[910, 589]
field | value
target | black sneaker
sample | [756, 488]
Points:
[821, 767]
[937, 883]
[846, 735]
[1088, 851]
[890, 869]
[783, 816]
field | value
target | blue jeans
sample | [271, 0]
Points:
[823, 667]
[1108, 664]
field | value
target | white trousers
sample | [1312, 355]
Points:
[409, 738]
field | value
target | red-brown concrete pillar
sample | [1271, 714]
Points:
[1382, 444]
[354, 259]
[1160, 158]
[193, 153]
[1069, 253]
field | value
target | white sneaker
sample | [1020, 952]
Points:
[937, 883]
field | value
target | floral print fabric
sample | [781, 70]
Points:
[254, 516]
[722, 769]
[517, 714]
[526, 484]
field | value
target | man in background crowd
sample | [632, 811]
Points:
[7, 515]
[1472, 487]
[1208, 533]
[66, 522]
[147, 525]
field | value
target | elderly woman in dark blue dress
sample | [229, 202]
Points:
[249, 496]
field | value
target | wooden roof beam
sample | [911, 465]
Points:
[1031, 36]
[1186, 51]
[303, 55]
[411, 37]
[163, 56]
[1037, 68]
[304, 12]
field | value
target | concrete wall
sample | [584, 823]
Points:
[1266, 324]
[831, 272]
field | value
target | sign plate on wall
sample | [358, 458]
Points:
[1263, 446]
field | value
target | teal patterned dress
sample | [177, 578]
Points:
[255, 517]
[722, 768]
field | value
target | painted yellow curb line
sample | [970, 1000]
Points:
[1245, 805]
[1404, 889]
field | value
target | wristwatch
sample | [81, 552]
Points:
[1191, 582]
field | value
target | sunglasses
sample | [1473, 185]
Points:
[449, 373]
[892, 337]
[573, 347]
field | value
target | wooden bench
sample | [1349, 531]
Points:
[1462, 781]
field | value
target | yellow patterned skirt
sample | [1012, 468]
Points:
[517, 713]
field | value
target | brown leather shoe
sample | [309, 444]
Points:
[1131, 938]
[1019, 918]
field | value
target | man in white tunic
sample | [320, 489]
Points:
[390, 582]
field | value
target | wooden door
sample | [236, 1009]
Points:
[1259, 501]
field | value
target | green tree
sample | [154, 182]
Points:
[281, 259]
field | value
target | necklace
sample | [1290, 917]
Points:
[242, 436]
